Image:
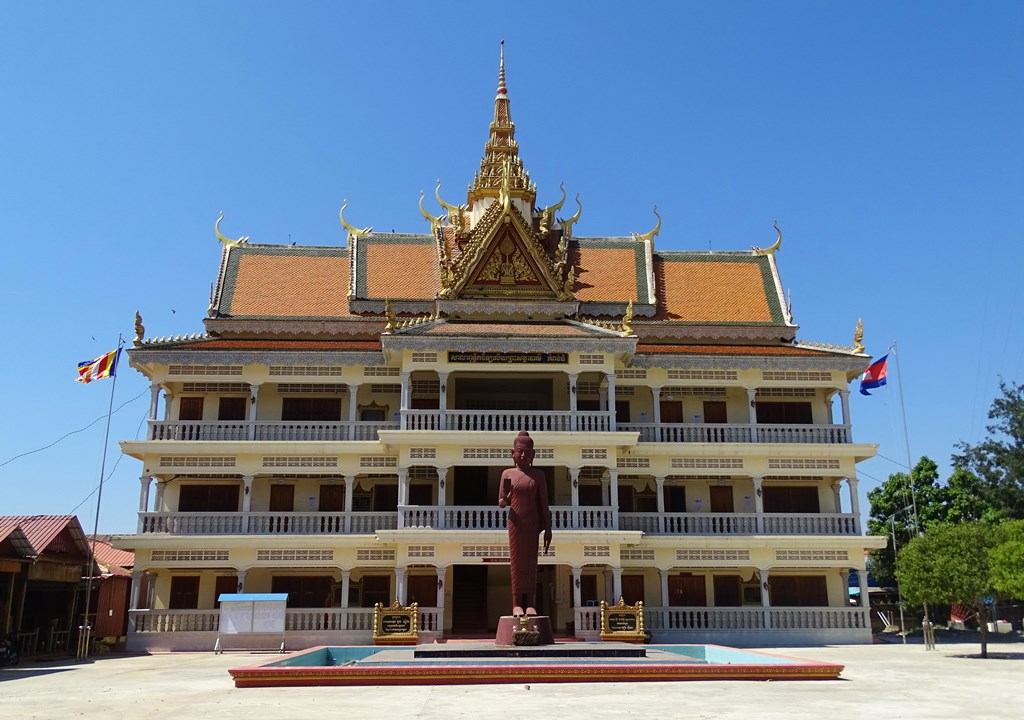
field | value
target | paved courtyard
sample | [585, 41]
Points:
[880, 681]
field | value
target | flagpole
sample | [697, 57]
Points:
[85, 629]
[906, 438]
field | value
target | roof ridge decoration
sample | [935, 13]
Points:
[772, 249]
[830, 347]
[625, 328]
[858, 337]
[650, 234]
[226, 241]
[353, 232]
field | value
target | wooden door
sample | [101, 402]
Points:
[632, 589]
[721, 498]
[471, 487]
[714, 411]
[421, 589]
[282, 498]
[191, 408]
[588, 590]
[675, 498]
[376, 589]
[727, 591]
[332, 498]
[421, 494]
[184, 592]
[687, 591]
[224, 584]
[671, 411]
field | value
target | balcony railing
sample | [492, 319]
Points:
[489, 517]
[738, 433]
[264, 431]
[740, 523]
[506, 420]
[496, 421]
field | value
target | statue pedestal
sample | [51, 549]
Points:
[509, 625]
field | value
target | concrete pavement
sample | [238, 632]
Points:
[879, 682]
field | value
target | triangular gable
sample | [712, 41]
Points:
[504, 258]
[51, 534]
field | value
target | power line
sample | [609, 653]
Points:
[111, 474]
[73, 432]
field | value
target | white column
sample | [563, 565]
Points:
[353, 405]
[241, 581]
[664, 587]
[573, 425]
[345, 577]
[659, 483]
[574, 487]
[836, 499]
[406, 394]
[246, 501]
[613, 495]
[136, 587]
[656, 410]
[844, 396]
[403, 494]
[168, 399]
[254, 393]
[400, 585]
[442, 475]
[854, 502]
[154, 400]
[441, 571]
[611, 401]
[616, 584]
[765, 604]
[759, 503]
[144, 481]
[158, 501]
[752, 403]
[865, 600]
[577, 587]
[350, 481]
[442, 400]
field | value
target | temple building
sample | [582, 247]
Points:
[338, 431]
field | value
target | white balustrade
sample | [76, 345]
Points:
[265, 523]
[738, 433]
[703, 618]
[329, 619]
[505, 420]
[306, 431]
[739, 523]
[141, 621]
[430, 619]
[810, 524]
[491, 517]
[823, 618]
[588, 621]
[191, 523]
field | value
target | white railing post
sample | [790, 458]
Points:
[854, 502]
[350, 481]
[246, 501]
[759, 504]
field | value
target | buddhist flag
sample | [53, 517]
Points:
[874, 376]
[102, 367]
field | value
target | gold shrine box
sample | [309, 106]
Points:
[622, 622]
[396, 625]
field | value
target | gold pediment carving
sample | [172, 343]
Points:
[503, 257]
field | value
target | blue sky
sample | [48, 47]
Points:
[886, 139]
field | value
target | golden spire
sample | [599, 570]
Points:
[501, 148]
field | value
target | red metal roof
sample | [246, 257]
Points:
[42, 530]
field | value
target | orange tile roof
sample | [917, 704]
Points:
[729, 350]
[280, 284]
[112, 559]
[400, 270]
[605, 273]
[703, 288]
[242, 344]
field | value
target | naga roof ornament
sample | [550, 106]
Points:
[226, 241]
[651, 234]
[353, 232]
[771, 250]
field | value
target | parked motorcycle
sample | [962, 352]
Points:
[9, 650]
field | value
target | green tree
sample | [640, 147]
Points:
[951, 563]
[998, 461]
[1007, 559]
[892, 506]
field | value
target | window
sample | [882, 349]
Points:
[323, 409]
[784, 413]
[790, 499]
[231, 408]
[191, 408]
[208, 498]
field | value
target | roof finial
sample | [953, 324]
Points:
[502, 90]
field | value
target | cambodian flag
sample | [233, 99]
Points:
[874, 376]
